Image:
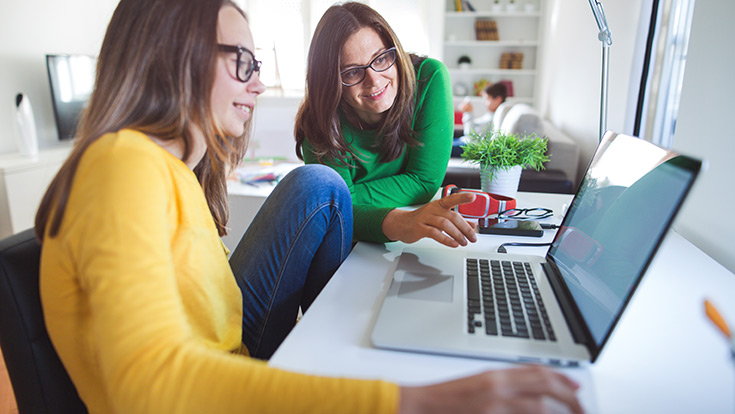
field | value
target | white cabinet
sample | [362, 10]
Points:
[23, 181]
[518, 31]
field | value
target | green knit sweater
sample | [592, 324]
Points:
[415, 176]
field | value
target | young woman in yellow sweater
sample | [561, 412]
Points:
[138, 295]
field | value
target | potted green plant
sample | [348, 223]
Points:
[464, 62]
[502, 156]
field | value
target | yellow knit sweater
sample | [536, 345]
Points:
[142, 306]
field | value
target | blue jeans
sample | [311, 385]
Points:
[298, 239]
[457, 148]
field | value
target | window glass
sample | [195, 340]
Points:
[665, 70]
[283, 28]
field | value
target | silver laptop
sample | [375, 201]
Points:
[559, 309]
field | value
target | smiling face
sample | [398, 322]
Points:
[233, 101]
[372, 97]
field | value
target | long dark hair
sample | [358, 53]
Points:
[318, 117]
[154, 74]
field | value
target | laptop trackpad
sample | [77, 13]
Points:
[425, 285]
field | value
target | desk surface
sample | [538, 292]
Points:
[664, 356]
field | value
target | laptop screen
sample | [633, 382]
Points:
[622, 210]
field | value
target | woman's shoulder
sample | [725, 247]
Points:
[429, 63]
[126, 149]
[429, 71]
[427, 67]
[122, 140]
[127, 142]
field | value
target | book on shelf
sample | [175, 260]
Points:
[508, 87]
[458, 5]
[468, 5]
[486, 29]
[511, 60]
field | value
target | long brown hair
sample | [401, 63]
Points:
[318, 116]
[154, 74]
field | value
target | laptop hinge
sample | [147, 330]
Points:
[575, 321]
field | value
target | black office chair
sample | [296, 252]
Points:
[40, 382]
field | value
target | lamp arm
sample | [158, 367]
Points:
[604, 36]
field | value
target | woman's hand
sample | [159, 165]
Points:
[530, 389]
[435, 220]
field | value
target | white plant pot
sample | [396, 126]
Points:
[511, 7]
[496, 8]
[505, 181]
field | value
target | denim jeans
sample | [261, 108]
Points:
[457, 148]
[298, 239]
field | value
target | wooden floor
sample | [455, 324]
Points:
[7, 400]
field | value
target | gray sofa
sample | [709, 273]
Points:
[521, 118]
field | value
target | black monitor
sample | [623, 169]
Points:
[71, 78]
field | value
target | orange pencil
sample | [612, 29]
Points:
[716, 318]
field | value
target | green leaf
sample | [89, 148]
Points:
[497, 149]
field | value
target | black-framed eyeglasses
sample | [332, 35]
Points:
[536, 213]
[354, 75]
[246, 63]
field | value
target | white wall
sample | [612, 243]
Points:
[28, 31]
[705, 128]
[571, 64]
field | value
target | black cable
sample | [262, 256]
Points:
[501, 248]
[548, 226]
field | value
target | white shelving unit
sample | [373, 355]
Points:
[518, 32]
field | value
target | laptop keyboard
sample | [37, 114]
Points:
[503, 299]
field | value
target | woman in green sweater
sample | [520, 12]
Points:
[383, 119]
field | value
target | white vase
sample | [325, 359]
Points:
[25, 134]
[504, 181]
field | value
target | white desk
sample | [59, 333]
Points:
[664, 356]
